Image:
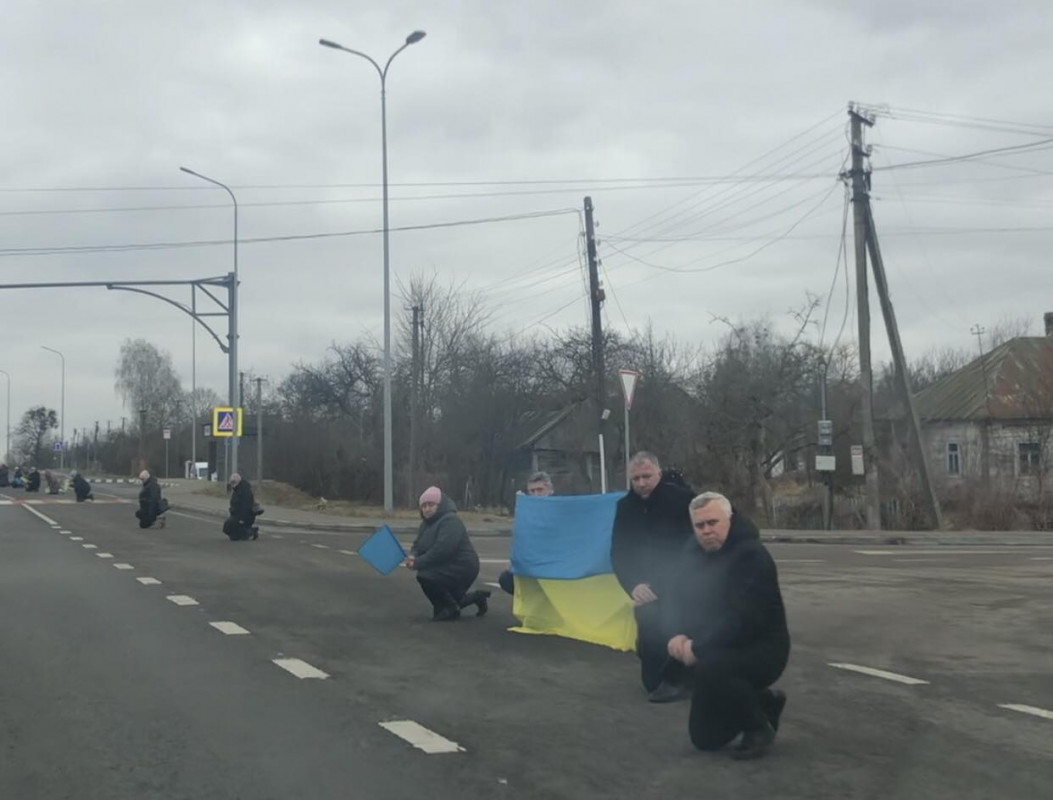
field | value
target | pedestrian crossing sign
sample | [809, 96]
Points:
[226, 421]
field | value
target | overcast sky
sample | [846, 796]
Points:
[709, 135]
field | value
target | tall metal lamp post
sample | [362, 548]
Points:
[7, 436]
[413, 38]
[62, 422]
[234, 386]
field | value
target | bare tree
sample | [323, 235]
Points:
[146, 379]
[32, 434]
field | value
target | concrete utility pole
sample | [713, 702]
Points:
[860, 189]
[985, 428]
[411, 470]
[596, 301]
[259, 430]
[896, 344]
[142, 439]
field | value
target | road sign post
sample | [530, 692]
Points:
[167, 434]
[628, 379]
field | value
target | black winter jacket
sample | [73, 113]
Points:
[242, 501]
[649, 536]
[730, 598]
[443, 548]
[150, 497]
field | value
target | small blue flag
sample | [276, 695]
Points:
[383, 551]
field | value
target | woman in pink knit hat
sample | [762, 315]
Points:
[444, 559]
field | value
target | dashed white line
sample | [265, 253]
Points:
[321, 546]
[1032, 710]
[76, 538]
[348, 552]
[420, 737]
[495, 585]
[300, 668]
[149, 581]
[229, 628]
[123, 566]
[104, 555]
[277, 536]
[90, 546]
[880, 673]
[182, 600]
[64, 532]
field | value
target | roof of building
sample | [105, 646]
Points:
[1013, 381]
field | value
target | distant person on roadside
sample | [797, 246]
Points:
[540, 485]
[240, 525]
[152, 505]
[651, 525]
[81, 488]
[729, 630]
[52, 481]
[33, 480]
[18, 479]
[444, 559]
[5, 479]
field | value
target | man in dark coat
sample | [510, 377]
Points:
[151, 505]
[33, 480]
[81, 487]
[4, 478]
[729, 629]
[240, 524]
[444, 559]
[651, 525]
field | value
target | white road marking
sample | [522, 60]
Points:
[493, 560]
[229, 628]
[420, 737]
[66, 532]
[800, 561]
[943, 551]
[299, 668]
[182, 600]
[277, 536]
[104, 555]
[90, 546]
[149, 581]
[321, 546]
[916, 560]
[37, 514]
[348, 552]
[1032, 710]
[123, 566]
[880, 673]
[1042, 558]
[495, 585]
[76, 538]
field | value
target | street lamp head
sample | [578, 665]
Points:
[187, 171]
[328, 43]
[415, 37]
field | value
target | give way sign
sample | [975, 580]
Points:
[629, 378]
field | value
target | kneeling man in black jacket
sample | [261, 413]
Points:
[730, 625]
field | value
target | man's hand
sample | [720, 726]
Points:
[680, 648]
[642, 594]
[411, 562]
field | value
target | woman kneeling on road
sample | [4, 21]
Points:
[444, 559]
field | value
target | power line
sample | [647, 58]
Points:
[837, 268]
[1042, 144]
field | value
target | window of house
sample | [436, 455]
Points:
[954, 459]
[1030, 457]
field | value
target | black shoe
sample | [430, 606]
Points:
[754, 743]
[255, 533]
[667, 693]
[447, 614]
[774, 703]
[481, 603]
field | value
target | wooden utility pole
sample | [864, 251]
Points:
[985, 429]
[411, 486]
[596, 301]
[903, 375]
[860, 198]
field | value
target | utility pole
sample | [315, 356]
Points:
[142, 440]
[985, 438]
[414, 404]
[259, 430]
[860, 189]
[95, 445]
[596, 300]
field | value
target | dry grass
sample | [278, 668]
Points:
[275, 493]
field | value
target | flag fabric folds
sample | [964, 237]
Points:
[561, 559]
[382, 550]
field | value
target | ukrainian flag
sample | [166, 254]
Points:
[561, 559]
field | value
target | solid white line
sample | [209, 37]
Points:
[90, 546]
[123, 566]
[104, 555]
[36, 513]
[943, 551]
[1032, 710]
[880, 673]
[229, 628]
[420, 737]
[76, 538]
[149, 581]
[182, 600]
[299, 668]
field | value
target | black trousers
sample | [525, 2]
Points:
[145, 520]
[443, 591]
[652, 642]
[731, 693]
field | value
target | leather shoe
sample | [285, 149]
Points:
[667, 693]
[755, 743]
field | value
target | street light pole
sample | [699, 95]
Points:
[235, 396]
[7, 436]
[62, 423]
[413, 38]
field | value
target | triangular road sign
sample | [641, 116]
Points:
[226, 421]
[629, 378]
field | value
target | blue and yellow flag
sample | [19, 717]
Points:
[561, 558]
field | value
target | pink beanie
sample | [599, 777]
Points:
[431, 495]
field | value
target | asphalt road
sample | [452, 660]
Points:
[111, 690]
